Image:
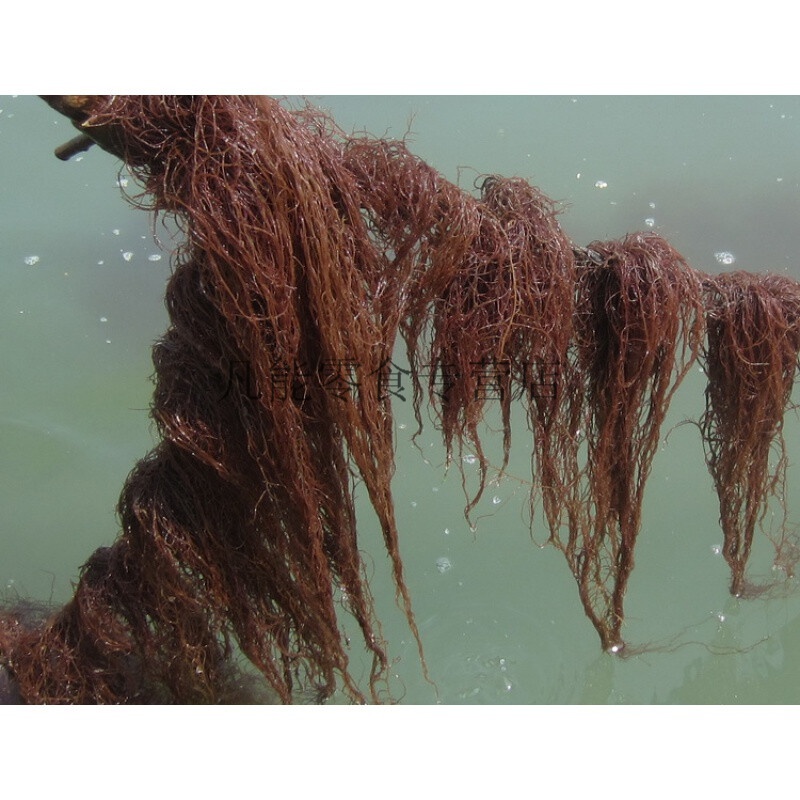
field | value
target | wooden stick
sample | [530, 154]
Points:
[77, 107]
[78, 144]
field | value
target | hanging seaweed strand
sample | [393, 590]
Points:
[639, 327]
[751, 362]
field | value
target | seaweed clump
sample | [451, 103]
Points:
[751, 359]
[308, 254]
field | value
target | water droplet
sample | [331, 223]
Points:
[443, 564]
[652, 205]
[724, 257]
[650, 222]
[434, 488]
[470, 459]
[115, 231]
[100, 263]
[103, 319]
[154, 257]
[720, 616]
[497, 500]
[127, 255]
[402, 426]
[122, 182]
[600, 185]
[31, 260]
[447, 531]
[413, 504]
[716, 549]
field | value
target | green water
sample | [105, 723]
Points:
[499, 616]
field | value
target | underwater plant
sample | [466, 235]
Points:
[308, 254]
[638, 329]
[750, 356]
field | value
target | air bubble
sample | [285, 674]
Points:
[31, 260]
[724, 257]
[443, 564]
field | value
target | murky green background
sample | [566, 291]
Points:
[500, 616]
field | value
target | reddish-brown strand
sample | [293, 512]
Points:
[639, 326]
[751, 361]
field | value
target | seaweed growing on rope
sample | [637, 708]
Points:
[241, 524]
[308, 254]
[751, 362]
[639, 327]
